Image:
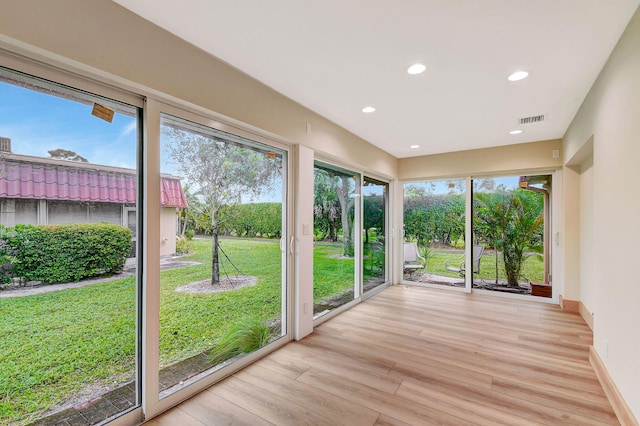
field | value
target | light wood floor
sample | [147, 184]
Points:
[416, 356]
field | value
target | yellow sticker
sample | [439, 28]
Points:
[102, 113]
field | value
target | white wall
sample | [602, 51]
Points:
[610, 118]
[304, 242]
[587, 246]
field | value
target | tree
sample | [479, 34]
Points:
[222, 171]
[433, 217]
[342, 185]
[64, 154]
[490, 220]
[509, 221]
[520, 233]
[373, 214]
[332, 186]
[326, 207]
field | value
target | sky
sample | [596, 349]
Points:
[443, 186]
[36, 123]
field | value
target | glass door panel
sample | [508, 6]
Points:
[434, 232]
[511, 222]
[334, 277]
[222, 282]
[374, 216]
[68, 287]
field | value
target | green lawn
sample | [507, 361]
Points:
[533, 268]
[56, 345]
[190, 323]
[332, 274]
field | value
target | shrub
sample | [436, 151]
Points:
[68, 253]
[248, 335]
[251, 220]
[6, 261]
[183, 244]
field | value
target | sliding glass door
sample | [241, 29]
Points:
[69, 288]
[510, 228]
[222, 280]
[434, 232]
[375, 196]
[511, 222]
[336, 248]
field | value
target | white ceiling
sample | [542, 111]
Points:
[338, 56]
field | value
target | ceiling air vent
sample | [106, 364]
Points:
[531, 120]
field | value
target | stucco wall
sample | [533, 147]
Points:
[167, 231]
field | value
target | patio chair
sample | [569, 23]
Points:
[412, 259]
[457, 264]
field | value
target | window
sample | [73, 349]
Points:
[434, 232]
[68, 335]
[375, 195]
[511, 221]
[336, 247]
[223, 292]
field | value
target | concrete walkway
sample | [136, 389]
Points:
[36, 287]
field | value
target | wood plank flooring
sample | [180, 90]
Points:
[416, 356]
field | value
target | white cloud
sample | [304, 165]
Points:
[128, 129]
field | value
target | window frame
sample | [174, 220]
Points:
[153, 405]
[67, 81]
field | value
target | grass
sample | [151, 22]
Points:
[191, 323]
[56, 346]
[332, 274]
[533, 268]
[245, 337]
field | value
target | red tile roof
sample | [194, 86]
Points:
[44, 178]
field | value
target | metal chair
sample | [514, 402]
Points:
[412, 259]
[458, 262]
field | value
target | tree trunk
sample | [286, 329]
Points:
[512, 264]
[215, 260]
[184, 224]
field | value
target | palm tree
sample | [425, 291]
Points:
[509, 220]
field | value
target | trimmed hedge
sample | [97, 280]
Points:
[67, 253]
[6, 261]
[251, 220]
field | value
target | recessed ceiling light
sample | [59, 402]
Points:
[414, 146]
[368, 109]
[416, 69]
[515, 132]
[518, 75]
